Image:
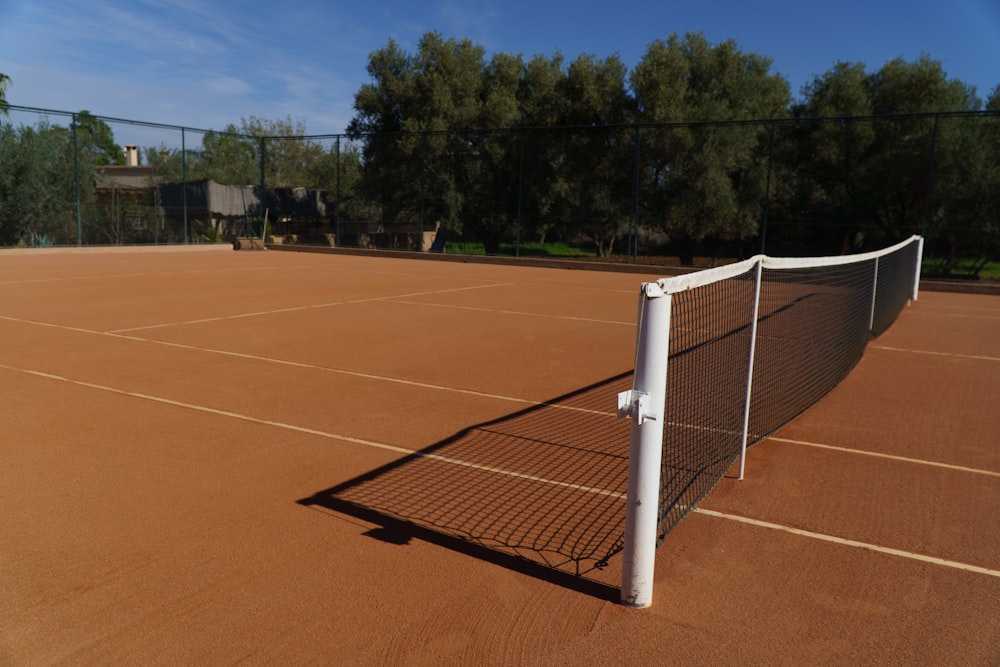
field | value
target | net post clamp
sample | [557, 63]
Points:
[653, 290]
[633, 403]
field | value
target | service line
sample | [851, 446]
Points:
[293, 309]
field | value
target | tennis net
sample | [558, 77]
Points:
[727, 356]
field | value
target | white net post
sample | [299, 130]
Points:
[871, 317]
[645, 405]
[916, 269]
[753, 348]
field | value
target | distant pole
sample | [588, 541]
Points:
[263, 183]
[423, 183]
[76, 185]
[520, 192]
[767, 191]
[930, 176]
[184, 187]
[336, 208]
[633, 237]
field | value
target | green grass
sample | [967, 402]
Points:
[527, 249]
[989, 271]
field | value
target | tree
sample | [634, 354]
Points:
[37, 193]
[541, 156]
[867, 174]
[230, 157]
[598, 151]
[963, 206]
[381, 107]
[426, 155]
[905, 148]
[488, 180]
[96, 139]
[828, 198]
[705, 180]
[288, 155]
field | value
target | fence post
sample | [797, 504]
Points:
[76, 184]
[930, 175]
[633, 232]
[520, 192]
[184, 184]
[767, 190]
[263, 187]
[336, 208]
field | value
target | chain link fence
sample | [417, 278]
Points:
[696, 193]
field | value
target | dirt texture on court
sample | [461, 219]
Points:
[214, 457]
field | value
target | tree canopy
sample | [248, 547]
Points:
[699, 146]
[694, 142]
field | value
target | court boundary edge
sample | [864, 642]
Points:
[965, 287]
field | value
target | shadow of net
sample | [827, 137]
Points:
[544, 485]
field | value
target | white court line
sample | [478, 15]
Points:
[327, 369]
[513, 312]
[311, 431]
[967, 316]
[306, 307]
[934, 560]
[977, 357]
[892, 457]
[587, 489]
[144, 274]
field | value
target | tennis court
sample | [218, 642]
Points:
[213, 456]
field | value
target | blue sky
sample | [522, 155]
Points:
[209, 63]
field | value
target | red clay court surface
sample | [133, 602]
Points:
[207, 458]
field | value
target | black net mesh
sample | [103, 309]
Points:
[709, 361]
[812, 327]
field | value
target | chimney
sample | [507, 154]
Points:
[131, 155]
